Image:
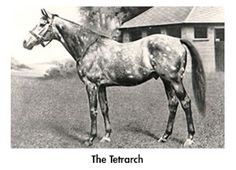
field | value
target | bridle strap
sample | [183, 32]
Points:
[39, 37]
[35, 35]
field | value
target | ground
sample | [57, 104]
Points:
[54, 114]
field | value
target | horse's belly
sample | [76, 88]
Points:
[128, 71]
[127, 77]
[131, 81]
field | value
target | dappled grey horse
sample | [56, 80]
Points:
[103, 62]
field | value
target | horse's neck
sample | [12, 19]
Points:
[75, 38]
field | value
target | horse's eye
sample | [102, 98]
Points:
[41, 25]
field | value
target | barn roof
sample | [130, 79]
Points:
[176, 15]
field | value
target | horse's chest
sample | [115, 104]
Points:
[90, 71]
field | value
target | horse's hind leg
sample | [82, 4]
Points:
[102, 96]
[186, 105]
[173, 105]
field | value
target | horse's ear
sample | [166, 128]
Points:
[44, 12]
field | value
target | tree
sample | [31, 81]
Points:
[107, 20]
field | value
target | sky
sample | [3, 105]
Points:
[24, 20]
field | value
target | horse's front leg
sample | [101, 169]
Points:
[102, 96]
[92, 91]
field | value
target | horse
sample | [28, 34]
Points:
[102, 62]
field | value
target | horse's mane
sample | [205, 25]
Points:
[98, 33]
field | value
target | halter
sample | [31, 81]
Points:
[40, 38]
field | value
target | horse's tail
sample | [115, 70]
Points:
[198, 77]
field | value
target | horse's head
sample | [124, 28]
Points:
[43, 33]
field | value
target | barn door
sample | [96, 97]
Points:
[219, 49]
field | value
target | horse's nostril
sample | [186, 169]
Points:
[24, 43]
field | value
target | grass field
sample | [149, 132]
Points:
[54, 114]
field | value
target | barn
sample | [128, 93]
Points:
[204, 26]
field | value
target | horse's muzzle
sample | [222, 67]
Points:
[26, 45]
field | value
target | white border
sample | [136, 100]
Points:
[153, 158]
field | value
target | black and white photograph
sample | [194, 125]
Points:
[118, 85]
[119, 77]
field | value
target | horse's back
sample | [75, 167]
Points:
[156, 42]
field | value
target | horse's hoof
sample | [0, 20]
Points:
[105, 139]
[188, 143]
[162, 140]
[88, 143]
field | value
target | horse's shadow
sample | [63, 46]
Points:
[137, 129]
[74, 134]
[142, 131]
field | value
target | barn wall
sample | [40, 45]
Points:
[187, 32]
[207, 50]
[205, 47]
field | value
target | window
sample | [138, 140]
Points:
[200, 32]
[174, 31]
[153, 30]
[135, 34]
